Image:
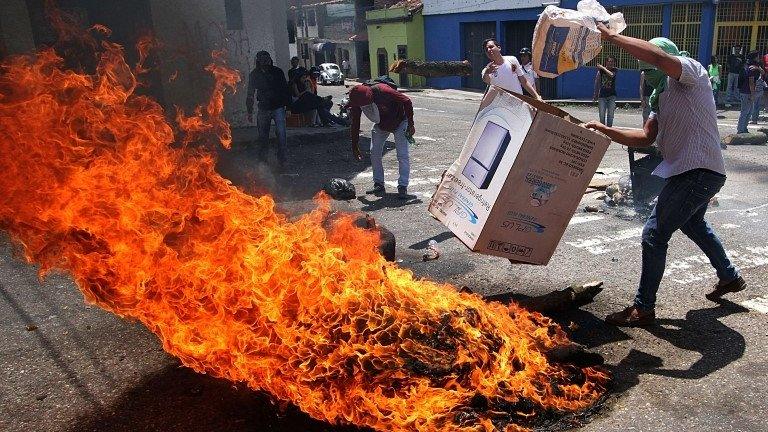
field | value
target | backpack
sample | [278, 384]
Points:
[384, 79]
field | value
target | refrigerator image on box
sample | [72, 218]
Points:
[487, 155]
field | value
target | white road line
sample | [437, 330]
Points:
[603, 244]
[742, 211]
[729, 226]
[696, 268]
[579, 219]
[758, 304]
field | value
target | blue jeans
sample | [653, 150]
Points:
[264, 120]
[757, 106]
[378, 138]
[746, 112]
[606, 107]
[732, 90]
[681, 205]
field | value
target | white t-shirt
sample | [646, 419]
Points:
[530, 74]
[688, 137]
[505, 78]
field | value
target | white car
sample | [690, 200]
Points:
[330, 73]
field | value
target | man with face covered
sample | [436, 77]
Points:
[391, 113]
[272, 96]
[683, 121]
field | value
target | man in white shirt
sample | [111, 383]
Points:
[683, 121]
[530, 74]
[505, 71]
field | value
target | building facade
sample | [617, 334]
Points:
[189, 30]
[396, 32]
[333, 31]
[455, 29]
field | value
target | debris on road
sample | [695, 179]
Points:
[750, 138]
[714, 202]
[31, 327]
[433, 251]
[340, 189]
[570, 298]
[593, 209]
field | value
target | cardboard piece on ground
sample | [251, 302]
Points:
[519, 178]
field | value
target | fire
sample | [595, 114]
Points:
[304, 309]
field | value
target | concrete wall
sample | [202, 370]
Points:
[15, 27]
[390, 35]
[191, 29]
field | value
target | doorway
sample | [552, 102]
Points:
[402, 54]
[383, 62]
[517, 35]
[472, 37]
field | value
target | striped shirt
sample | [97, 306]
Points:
[688, 137]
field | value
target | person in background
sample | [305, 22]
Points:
[295, 69]
[747, 89]
[605, 90]
[528, 72]
[645, 97]
[505, 71]
[714, 72]
[272, 95]
[308, 102]
[735, 65]
[391, 113]
[760, 90]
[683, 121]
[345, 67]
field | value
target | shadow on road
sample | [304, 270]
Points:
[312, 163]
[178, 399]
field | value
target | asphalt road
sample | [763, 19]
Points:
[66, 366]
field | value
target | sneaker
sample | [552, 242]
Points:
[721, 289]
[402, 192]
[378, 189]
[632, 317]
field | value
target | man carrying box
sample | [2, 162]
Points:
[684, 123]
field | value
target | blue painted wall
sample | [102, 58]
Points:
[443, 42]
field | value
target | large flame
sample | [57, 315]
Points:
[307, 310]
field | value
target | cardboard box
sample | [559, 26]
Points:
[520, 176]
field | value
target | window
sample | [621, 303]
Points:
[234, 11]
[643, 22]
[311, 18]
[740, 24]
[686, 27]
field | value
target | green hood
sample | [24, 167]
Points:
[653, 76]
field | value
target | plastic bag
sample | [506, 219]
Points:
[340, 189]
[565, 39]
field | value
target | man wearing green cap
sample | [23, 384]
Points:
[683, 122]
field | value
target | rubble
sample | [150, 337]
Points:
[340, 189]
[750, 138]
[570, 298]
[432, 252]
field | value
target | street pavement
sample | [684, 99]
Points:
[67, 366]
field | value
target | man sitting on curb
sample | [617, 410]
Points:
[391, 113]
[684, 118]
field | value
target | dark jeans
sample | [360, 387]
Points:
[264, 119]
[681, 205]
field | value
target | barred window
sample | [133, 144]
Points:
[686, 27]
[741, 24]
[643, 22]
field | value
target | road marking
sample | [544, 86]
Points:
[759, 304]
[695, 268]
[603, 244]
[742, 211]
[426, 138]
[729, 226]
[579, 219]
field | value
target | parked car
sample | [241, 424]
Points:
[330, 73]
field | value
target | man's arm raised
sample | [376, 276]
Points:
[644, 51]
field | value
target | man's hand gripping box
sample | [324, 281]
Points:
[519, 178]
